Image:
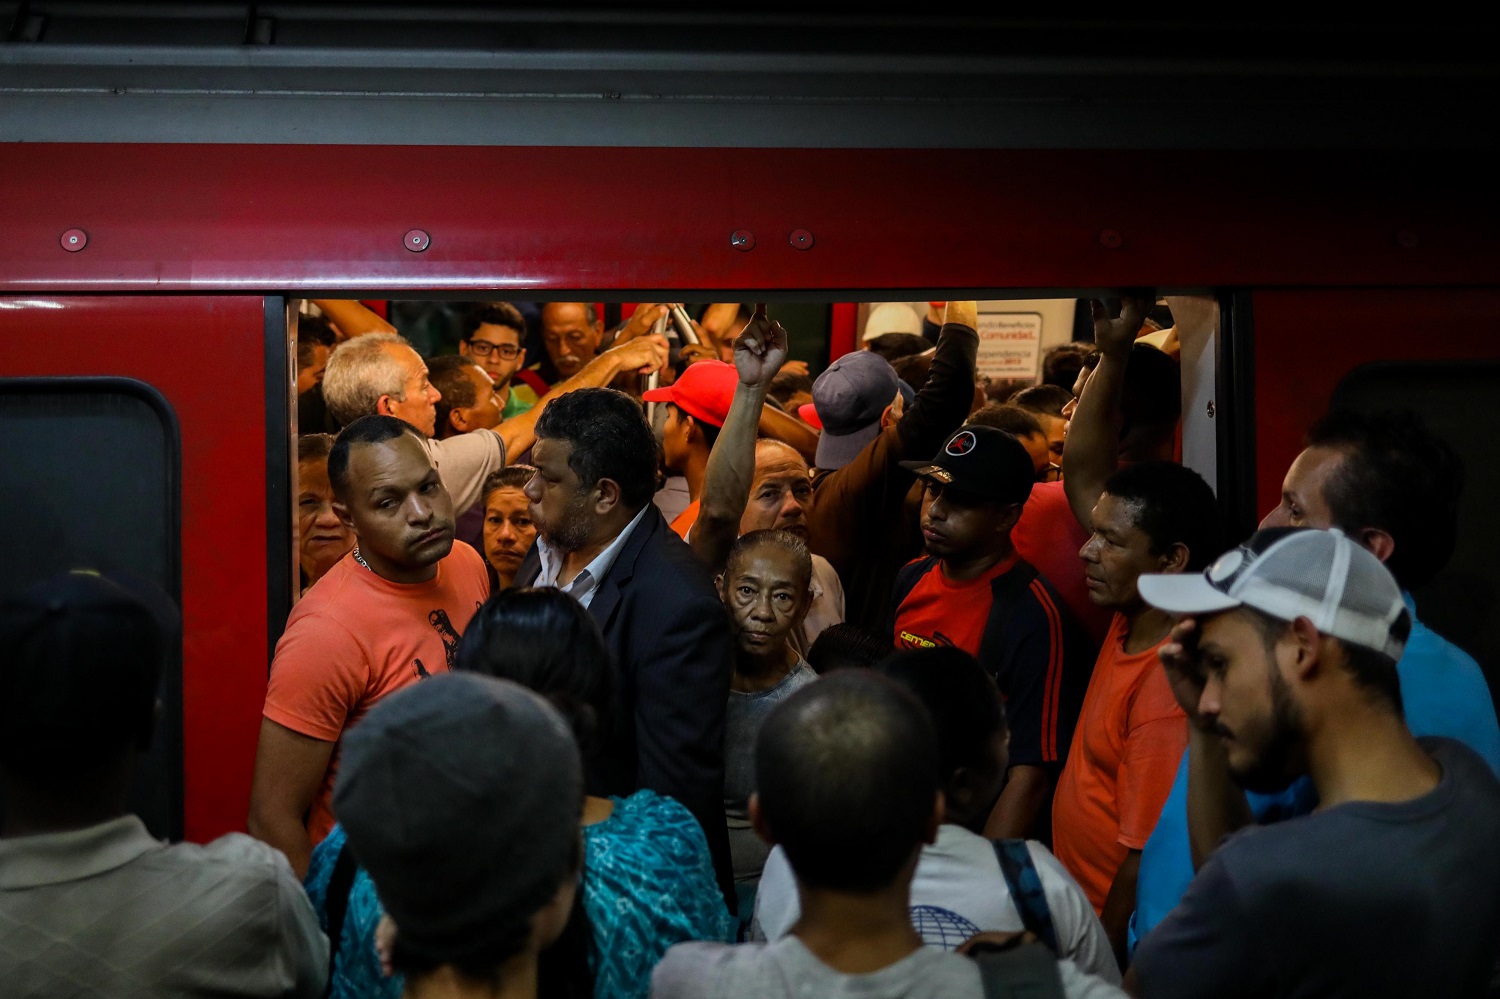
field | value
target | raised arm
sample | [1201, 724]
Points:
[1093, 447]
[948, 394]
[352, 317]
[642, 354]
[759, 352]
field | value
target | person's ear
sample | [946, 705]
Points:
[383, 405]
[887, 418]
[1175, 559]
[1010, 515]
[521, 358]
[341, 511]
[1379, 542]
[719, 583]
[609, 496]
[458, 419]
[758, 821]
[1305, 646]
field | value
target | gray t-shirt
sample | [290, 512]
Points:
[786, 968]
[742, 723]
[1361, 900]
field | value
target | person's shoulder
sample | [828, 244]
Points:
[697, 969]
[1460, 762]
[235, 857]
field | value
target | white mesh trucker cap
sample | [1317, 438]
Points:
[1289, 573]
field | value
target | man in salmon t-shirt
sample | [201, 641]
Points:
[1149, 517]
[387, 615]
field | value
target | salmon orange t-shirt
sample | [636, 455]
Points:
[1130, 738]
[684, 521]
[356, 638]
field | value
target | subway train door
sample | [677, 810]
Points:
[148, 438]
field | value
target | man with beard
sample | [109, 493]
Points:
[1285, 653]
[973, 591]
[601, 540]
[381, 619]
[1393, 486]
[752, 484]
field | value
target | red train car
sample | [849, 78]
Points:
[174, 181]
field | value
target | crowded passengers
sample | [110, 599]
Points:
[659, 667]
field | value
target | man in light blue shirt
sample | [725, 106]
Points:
[1391, 484]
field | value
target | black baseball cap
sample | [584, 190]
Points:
[461, 795]
[981, 461]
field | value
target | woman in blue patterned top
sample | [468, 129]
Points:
[648, 881]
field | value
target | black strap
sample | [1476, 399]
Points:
[1026, 890]
[336, 902]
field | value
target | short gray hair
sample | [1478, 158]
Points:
[360, 370]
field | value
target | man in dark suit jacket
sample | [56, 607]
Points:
[601, 540]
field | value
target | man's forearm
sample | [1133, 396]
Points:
[1027, 790]
[948, 394]
[1216, 805]
[726, 481]
[286, 833]
[1093, 447]
[352, 317]
[519, 432]
[1120, 904]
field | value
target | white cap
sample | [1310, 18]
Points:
[1344, 590]
[892, 317]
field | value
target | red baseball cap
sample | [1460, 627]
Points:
[704, 391]
[809, 414]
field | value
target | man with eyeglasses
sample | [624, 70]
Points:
[493, 335]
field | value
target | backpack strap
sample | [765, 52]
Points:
[1026, 889]
[1023, 971]
[340, 884]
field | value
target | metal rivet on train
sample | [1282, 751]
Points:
[1210, 409]
[416, 240]
[801, 239]
[742, 239]
[1407, 239]
[1110, 239]
[74, 240]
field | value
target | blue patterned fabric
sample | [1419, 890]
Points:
[648, 883]
[356, 966]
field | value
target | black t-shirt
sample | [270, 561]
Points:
[1363, 900]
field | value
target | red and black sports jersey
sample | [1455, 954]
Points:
[1020, 630]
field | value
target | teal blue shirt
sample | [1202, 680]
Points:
[648, 883]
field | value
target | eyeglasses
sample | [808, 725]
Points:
[483, 348]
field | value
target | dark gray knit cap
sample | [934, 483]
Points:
[461, 795]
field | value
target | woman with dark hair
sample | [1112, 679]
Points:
[648, 881]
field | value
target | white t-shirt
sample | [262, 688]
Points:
[464, 461]
[958, 891]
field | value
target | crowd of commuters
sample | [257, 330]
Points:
[658, 667]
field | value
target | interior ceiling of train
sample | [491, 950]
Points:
[806, 74]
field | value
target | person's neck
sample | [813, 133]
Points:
[576, 561]
[753, 674]
[596, 810]
[516, 980]
[1145, 626]
[393, 571]
[858, 933]
[695, 470]
[91, 799]
[1366, 753]
[972, 565]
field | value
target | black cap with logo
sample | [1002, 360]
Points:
[983, 462]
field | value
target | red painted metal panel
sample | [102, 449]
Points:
[270, 217]
[1306, 341]
[206, 356]
[841, 335]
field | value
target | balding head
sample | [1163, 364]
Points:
[848, 779]
[780, 491]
